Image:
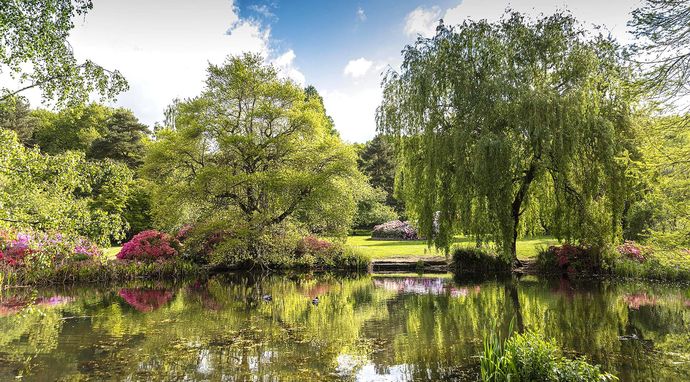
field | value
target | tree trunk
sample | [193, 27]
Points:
[517, 207]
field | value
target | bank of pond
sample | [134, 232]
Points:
[354, 326]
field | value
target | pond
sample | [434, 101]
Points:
[364, 328]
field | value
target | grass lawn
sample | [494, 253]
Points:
[379, 249]
[111, 252]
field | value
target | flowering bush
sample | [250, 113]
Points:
[150, 245]
[631, 250]
[569, 258]
[183, 233]
[42, 249]
[313, 245]
[395, 229]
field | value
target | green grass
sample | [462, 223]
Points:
[381, 249]
[111, 252]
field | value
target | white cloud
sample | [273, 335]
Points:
[422, 21]
[357, 68]
[163, 49]
[264, 10]
[286, 68]
[354, 111]
[361, 16]
[613, 14]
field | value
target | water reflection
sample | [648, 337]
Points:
[364, 328]
[144, 299]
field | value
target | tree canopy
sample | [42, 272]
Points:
[662, 31]
[61, 192]
[122, 139]
[501, 123]
[34, 51]
[250, 153]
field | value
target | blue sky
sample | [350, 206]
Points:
[164, 46]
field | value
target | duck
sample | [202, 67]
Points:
[628, 337]
[267, 297]
[315, 301]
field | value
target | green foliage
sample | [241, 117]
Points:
[101, 272]
[495, 363]
[660, 211]
[15, 114]
[137, 211]
[123, 139]
[662, 31]
[377, 161]
[478, 261]
[528, 357]
[371, 209]
[652, 269]
[34, 49]
[501, 125]
[62, 192]
[70, 129]
[250, 153]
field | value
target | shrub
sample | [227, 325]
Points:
[335, 256]
[652, 268]
[150, 246]
[632, 251]
[395, 229]
[475, 261]
[183, 233]
[569, 258]
[42, 250]
[313, 245]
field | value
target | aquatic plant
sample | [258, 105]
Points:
[529, 357]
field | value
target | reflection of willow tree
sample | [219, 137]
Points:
[589, 320]
[438, 334]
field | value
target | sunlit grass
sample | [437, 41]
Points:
[111, 252]
[380, 249]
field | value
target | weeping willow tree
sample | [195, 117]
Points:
[502, 126]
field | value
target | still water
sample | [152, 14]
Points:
[364, 328]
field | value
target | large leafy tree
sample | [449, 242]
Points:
[661, 212]
[252, 152]
[377, 161]
[34, 51]
[122, 139]
[71, 129]
[501, 122]
[16, 115]
[62, 192]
